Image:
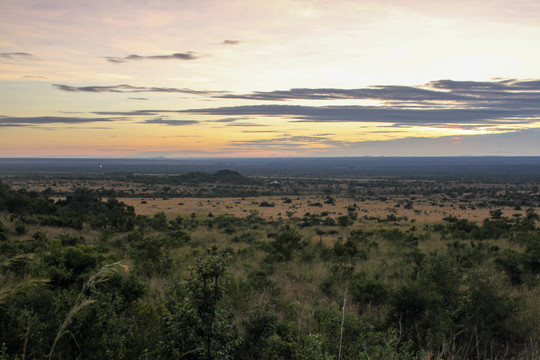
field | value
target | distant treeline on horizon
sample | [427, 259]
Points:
[527, 166]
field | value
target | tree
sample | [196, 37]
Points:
[285, 243]
[196, 324]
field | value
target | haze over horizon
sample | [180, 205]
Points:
[258, 79]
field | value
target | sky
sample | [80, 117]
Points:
[261, 78]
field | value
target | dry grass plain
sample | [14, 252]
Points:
[422, 211]
[313, 200]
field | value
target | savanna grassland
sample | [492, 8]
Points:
[218, 265]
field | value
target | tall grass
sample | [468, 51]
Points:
[101, 276]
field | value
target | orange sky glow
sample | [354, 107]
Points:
[267, 79]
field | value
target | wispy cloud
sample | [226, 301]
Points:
[18, 56]
[231, 42]
[130, 113]
[402, 116]
[245, 124]
[13, 125]
[170, 122]
[288, 142]
[519, 142]
[391, 93]
[260, 131]
[190, 55]
[125, 88]
[435, 93]
[40, 120]
[228, 120]
[34, 77]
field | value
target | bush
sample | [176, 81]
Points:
[365, 290]
[285, 243]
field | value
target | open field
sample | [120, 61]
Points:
[423, 210]
[371, 198]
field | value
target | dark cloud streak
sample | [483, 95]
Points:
[34, 77]
[390, 93]
[125, 88]
[190, 55]
[170, 122]
[299, 113]
[18, 56]
[39, 120]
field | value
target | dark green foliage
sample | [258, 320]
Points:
[489, 314]
[195, 324]
[285, 244]
[85, 206]
[347, 250]
[67, 266]
[259, 324]
[343, 221]
[266, 204]
[259, 280]
[368, 291]
[514, 264]
[361, 340]
[38, 242]
[24, 202]
[104, 326]
[329, 222]
[461, 299]
[151, 255]
[198, 177]
[145, 329]
[3, 232]
[20, 229]
[159, 221]
[462, 228]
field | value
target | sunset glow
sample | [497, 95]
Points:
[257, 78]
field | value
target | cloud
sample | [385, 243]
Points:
[129, 113]
[137, 98]
[39, 120]
[440, 93]
[401, 116]
[231, 42]
[13, 125]
[34, 77]
[228, 120]
[125, 88]
[437, 103]
[519, 142]
[190, 55]
[290, 142]
[441, 103]
[392, 93]
[169, 122]
[260, 131]
[18, 56]
[245, 124]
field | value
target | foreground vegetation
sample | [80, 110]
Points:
[88, 278]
